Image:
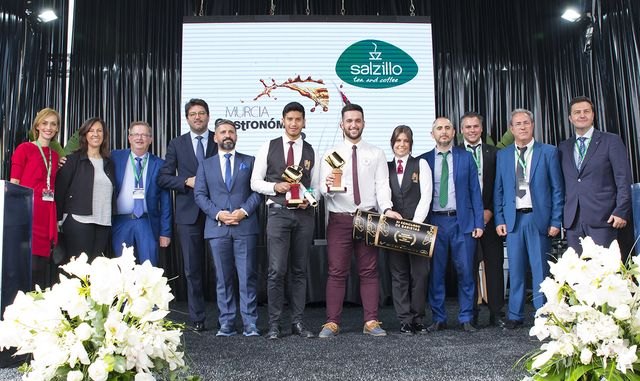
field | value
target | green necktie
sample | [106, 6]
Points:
[444, 180]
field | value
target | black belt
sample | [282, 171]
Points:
[343, 214]
[444, 212]
[524, 210]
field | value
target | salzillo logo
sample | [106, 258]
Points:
[374, 64]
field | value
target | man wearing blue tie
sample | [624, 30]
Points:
[457, 211]
[143, 218]
[528, 198]
[223, 192]
[597, 179]
[184, 154]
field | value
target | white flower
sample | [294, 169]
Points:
[626, 358]
[75, 375]
[83, 332]
[585, 356]
[98, 370]
[623, 312]
[144, 377]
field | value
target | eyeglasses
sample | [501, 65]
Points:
[140, 135]
[193, 114]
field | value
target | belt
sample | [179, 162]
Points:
[449, 213]
[524, 210]
[343, 214]
[273, 205]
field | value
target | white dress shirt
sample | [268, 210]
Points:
[524, 202]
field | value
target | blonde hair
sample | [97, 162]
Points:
[40, 117]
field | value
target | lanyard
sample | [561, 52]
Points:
[137, 175]
[586, 147]
[523, 160]
[47, 165]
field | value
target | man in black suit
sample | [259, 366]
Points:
[184, 154]
[490, 248]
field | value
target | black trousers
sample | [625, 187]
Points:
[409, 279]
[490, 250]
[193, 249]
[80, 238]
[289, 238]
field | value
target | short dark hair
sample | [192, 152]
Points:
[195, 102]
[351, 107]
[221, 121]
[293, 106]
[82, 136]
[580, 99]
[402, 129]
[472, 114]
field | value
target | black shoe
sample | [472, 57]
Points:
[274, 332]
[406, 329]
[512, 324]
[493, 320]
[419, 328]
[437, 326]
[299, 330]
[199, 326]
[468, 327]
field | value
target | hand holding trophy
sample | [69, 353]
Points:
[298, 193]
[336, 162]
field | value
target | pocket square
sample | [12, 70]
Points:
[243, 166]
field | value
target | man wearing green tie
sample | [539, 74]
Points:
[458, 212]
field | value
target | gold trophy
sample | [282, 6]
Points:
[293, 175]
[336, 162]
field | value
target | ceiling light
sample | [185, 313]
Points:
[571, 15]
[47, 15]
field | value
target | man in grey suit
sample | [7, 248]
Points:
[597, 179]
[231, 227]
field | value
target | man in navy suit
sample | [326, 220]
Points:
[144, 212]
[223, 192]
[528, 197]
[489, 248]
[458, 213]
[184, 154]
[597, 179]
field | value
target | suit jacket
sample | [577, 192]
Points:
[210, 182]
[545, 185]
[158, 199]
[470, 214]
[181, 158]
[602, 187]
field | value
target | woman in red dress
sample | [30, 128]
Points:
[34, 165]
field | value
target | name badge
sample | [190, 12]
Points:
[47, 195]
[138, 194]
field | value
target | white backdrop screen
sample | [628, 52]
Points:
[248, 71]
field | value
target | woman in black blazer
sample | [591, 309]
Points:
[85, 192]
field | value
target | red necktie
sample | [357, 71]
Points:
[354, 174]
[400, 169]
[290, 154]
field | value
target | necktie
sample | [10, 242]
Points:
[227, 171]
[354, 174]
[200, 150]
[138, 203]
[475, 153]
[443, 197]
[520, 169]
[290, 154]
[400, 168]
[582, 149]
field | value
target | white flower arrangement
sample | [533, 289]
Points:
[103, 322]
[590, 324]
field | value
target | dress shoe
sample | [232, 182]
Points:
[468, 327]
[299, 330]
[226, 330]
[437, 326]
[198, 326]
[406, 329]
[419, 328]
[274, 332]
[512, 324]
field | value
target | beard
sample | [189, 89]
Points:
[228, 144]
